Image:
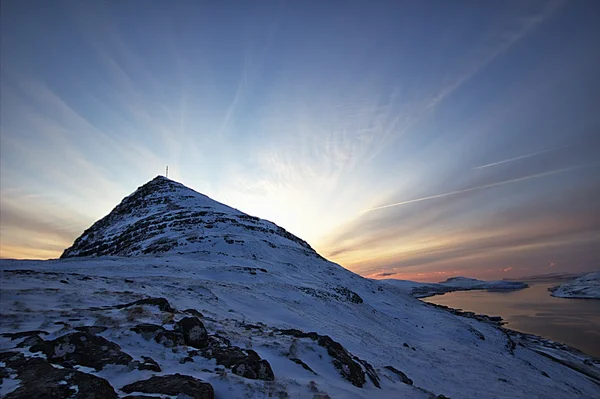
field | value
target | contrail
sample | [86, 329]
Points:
[516, 158]
[467, 190]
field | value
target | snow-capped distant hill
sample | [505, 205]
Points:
[152, 301]
[423, 290]
[586, 286]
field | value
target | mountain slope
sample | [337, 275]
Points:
[282, 323]
[164, 216]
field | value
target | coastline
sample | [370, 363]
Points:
[564, 354]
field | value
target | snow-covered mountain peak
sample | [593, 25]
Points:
[164, 216]
[228, 305]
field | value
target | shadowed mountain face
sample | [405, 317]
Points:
[164, 216]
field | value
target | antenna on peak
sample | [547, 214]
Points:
[167, 171]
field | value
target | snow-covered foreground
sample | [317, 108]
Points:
[441, 353]
[242, 309]
[586, 286]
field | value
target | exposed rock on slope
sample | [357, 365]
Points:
[175, 294]
[164, 216]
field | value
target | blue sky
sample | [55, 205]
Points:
[407, 139]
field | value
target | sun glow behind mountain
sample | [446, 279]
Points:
[470, 135]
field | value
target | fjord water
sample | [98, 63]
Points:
[575, 322]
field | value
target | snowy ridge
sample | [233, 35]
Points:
[282, 323]
[165, 217]
[586, 286]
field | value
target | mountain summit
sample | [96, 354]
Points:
[164, 216]
[174, 294]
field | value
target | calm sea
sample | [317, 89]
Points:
[575, 322]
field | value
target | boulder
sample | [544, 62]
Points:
[147, 330]
[169, 339]
[83, 349]
[174, 385]
[148, 364]
[194, 332]
[254, 369]
[39, 379]
[245, 363]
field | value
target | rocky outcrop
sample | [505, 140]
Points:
[148, 363]
[174, 385]
[403, 377]
[245, 363]
[161, 303]
[39, 379]
[147, 330]
[169, 339]
[83, 349]
[193, 331]
[343, 361]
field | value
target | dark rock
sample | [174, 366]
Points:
[39, 379]
[64, 281]
[174, 385]
[194, 312]
[30, 341]
[477, 333]
[219, 340]
[83, 349]
[149, 364]
[186, 359]
[147, 330]
[161, 303]
[304, 365]
[300, 334]
[245, 363]
[169, 339]
[194, 332]
[227, 356]
[92, 329]
[370, 371]
[403, 377]
[254, 369]
[349, 295]
[342, 360]
[139, 397]
[23, 334]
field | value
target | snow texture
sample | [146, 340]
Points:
[249, 281]
[586, 286]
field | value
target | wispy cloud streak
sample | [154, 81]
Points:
[491, 185]
[515, 159]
